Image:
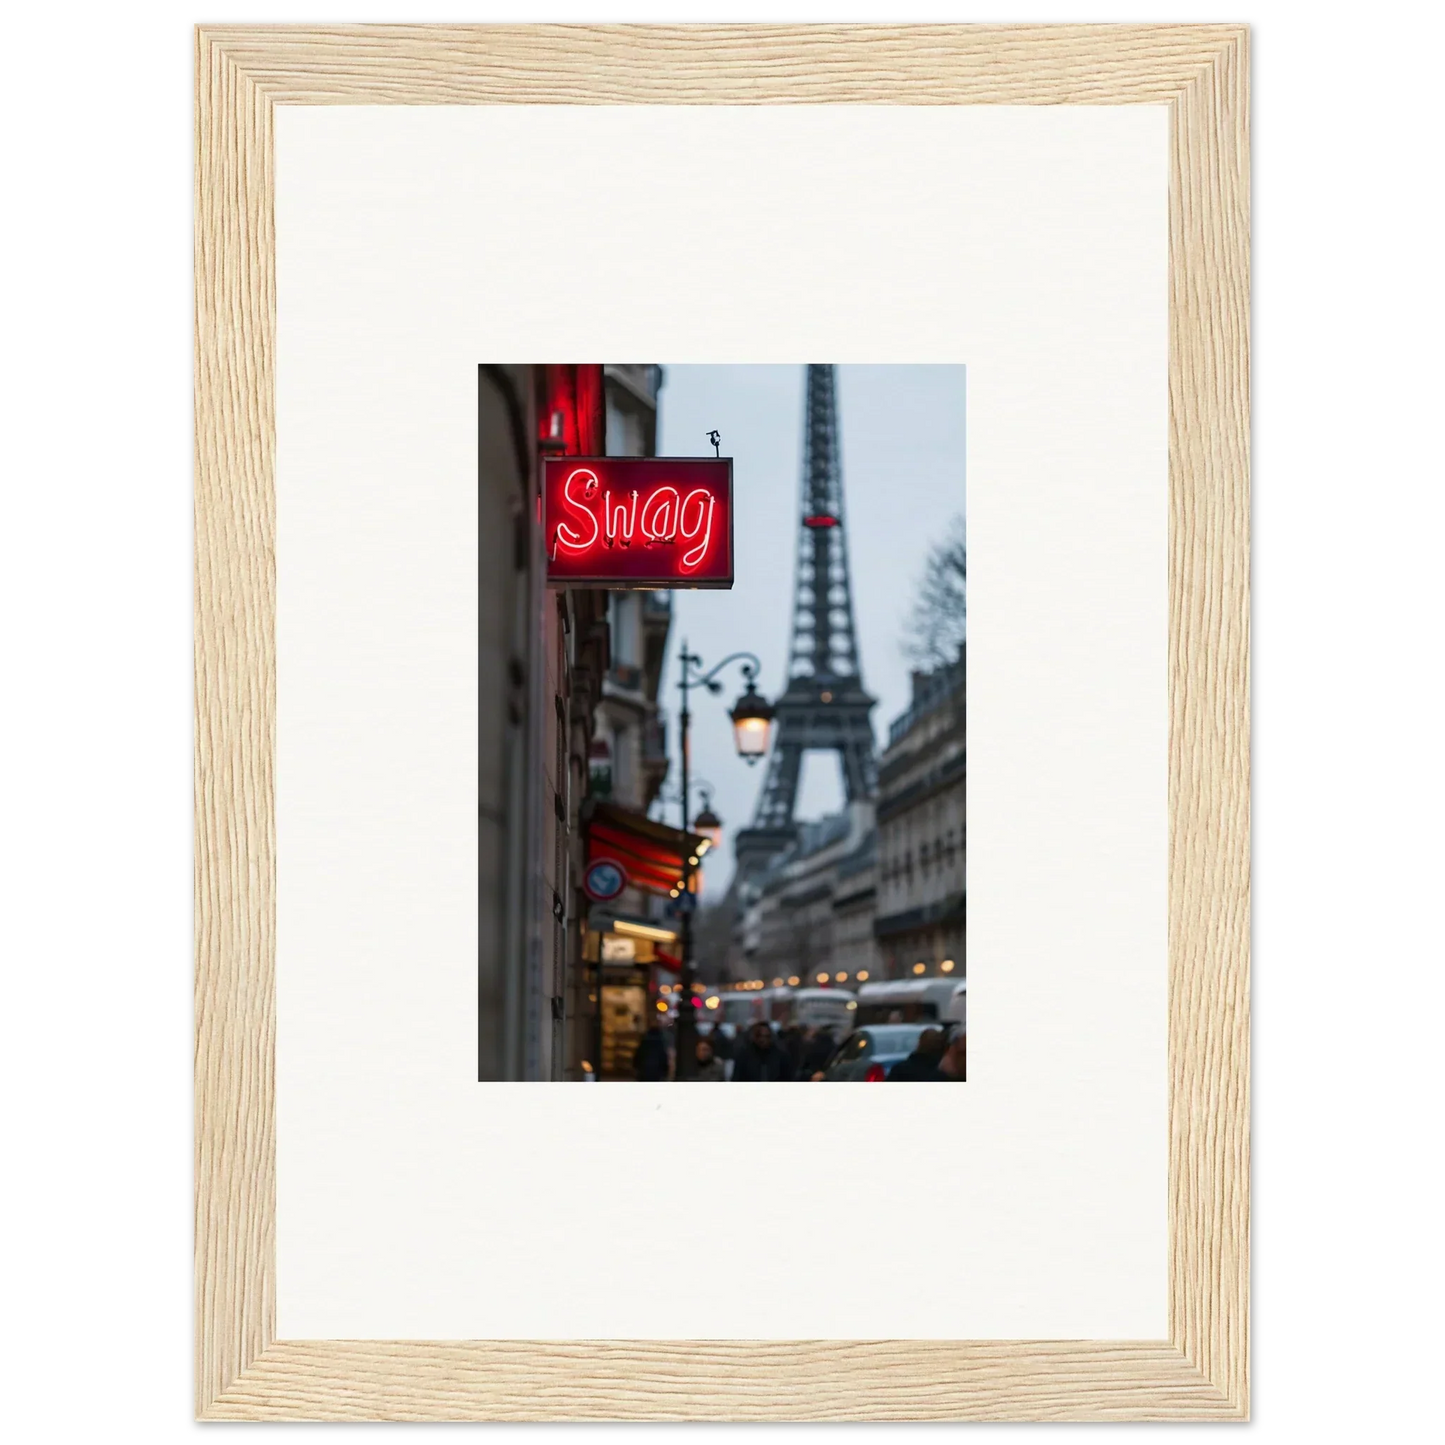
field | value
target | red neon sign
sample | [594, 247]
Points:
[638, 521]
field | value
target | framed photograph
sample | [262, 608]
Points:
[633, 465]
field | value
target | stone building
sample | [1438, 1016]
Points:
[629, 746]
[542, 656]
[626, 941]
[558, 672]
[811, 912]
[855, 902]
[921, 917]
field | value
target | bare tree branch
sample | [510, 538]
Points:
[936, 626]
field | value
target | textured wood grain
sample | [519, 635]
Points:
[722, 64]
[719, 1380]
[1209, 722]
[235, 611]
[1202, 1370]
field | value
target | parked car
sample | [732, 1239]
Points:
[867, 1054]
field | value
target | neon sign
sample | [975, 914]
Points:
[655, 522]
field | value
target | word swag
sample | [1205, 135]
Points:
[653, 522]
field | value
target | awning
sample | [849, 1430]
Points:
[651, 853]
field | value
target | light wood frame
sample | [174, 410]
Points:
[1202, 1370]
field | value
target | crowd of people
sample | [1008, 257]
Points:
[936, 1058]
[793, 1053]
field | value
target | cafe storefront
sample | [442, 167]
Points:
[633, 882]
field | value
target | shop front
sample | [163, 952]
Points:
[633, 881]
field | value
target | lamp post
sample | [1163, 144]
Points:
[706, 823]
[752, 718]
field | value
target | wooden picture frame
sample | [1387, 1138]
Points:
[1201, 1371]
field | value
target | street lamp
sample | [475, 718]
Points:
[708, 823]
[752, 722]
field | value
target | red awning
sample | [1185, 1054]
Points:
[651, 852]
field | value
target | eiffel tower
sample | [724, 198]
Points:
[824, 707]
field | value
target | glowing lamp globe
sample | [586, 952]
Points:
[710, 826]
[752, 724]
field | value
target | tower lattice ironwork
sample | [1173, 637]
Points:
[824, 706]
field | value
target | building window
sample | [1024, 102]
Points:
[624, 620]
[624, 433]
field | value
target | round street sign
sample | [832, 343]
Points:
[604, 879]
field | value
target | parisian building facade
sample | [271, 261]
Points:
[559, 672]
[922, 841]
[810, 916]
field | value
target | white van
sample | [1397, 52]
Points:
[912, 1000]
[957, 1010]
[832, 1008]
[739, 1009]
[819, 1008]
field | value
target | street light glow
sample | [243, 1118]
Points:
[629, 929]
[751, 736]
[752, 724]
[862, 975]
[709, 825]
[947, 965]
[920, 968]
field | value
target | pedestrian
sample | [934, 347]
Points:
[791, 1039]
[818, 1051]
[953, 1066]
[649, 1063]
[722, 1045]
[761, 1059]
[922, 1064]
[709, 1068]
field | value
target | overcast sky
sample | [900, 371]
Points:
[902, 432]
